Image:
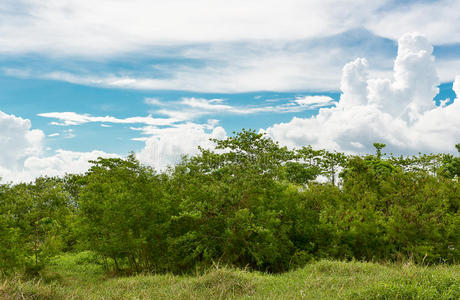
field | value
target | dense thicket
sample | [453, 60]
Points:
[247, 203]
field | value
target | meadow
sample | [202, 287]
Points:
[77, 276]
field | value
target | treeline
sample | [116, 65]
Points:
[247, 203]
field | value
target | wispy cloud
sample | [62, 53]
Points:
[152, 101]
[187, 109]
[83, 27]
[72, 118]
[69, 134]
[101, 28]
[190, 108]
[314, 101]
[271, 46]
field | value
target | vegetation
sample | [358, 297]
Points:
[249, 204]
[79, 276]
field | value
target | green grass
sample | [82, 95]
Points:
[78, 277]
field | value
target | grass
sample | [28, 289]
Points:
[73, 276]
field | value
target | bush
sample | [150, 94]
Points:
[248, 203]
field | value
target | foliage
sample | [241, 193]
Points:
[33, 217]
[121, 214]
[247, 203]
[231, 208]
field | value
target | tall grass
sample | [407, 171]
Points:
[81, 277]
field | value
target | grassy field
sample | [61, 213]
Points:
[76, 277]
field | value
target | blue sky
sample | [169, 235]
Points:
[55, 96]
[160, 78]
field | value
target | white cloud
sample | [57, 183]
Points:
[210, 105]
[354, 83]
[314, 101]
[166, 146]
[408, 93]
[186, 109]
[262, 45]
[59, 164]
[250, 66]
[18, 141]
[72, 118]
[456, 86]
[152, 101]
[192, 108]
[398, 111]
[278, 72]
[69, 134]
[204, 106]
[105, 27]
[441, 28]
[83, 27]
[22, 157]
[448, 69]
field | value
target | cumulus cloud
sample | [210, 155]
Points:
[22, 157]
[398, 111]
[58, 164]
[166, 146]
[456, 86]
[62, 162]
[415, 80]
[18, 141]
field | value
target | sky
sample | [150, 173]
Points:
[81, 79]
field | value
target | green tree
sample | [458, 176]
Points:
[451, 165]
[12, 254]
[378, 149]
[33, 216]
[331, 164]
[122, 213]
[232, 209]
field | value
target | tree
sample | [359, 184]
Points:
[12, 254]
[33, 216]
[304, 166]
[121, 213]
[331, 164]
[232, 209]
[378, 149]
[451, 165]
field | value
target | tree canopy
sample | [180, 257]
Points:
[248, 202]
